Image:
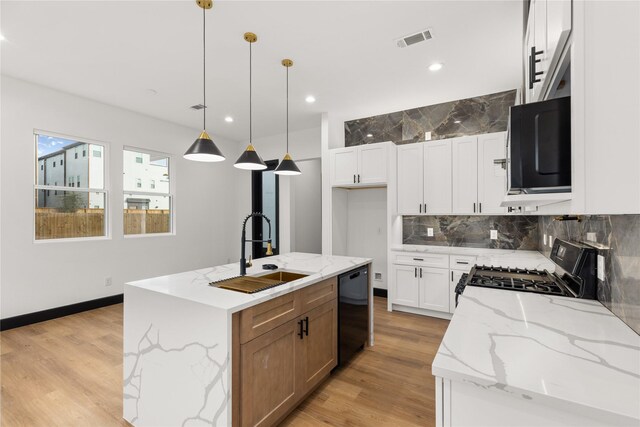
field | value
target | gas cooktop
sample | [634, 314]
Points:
[538, 281]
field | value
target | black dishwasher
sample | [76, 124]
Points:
[353, 316]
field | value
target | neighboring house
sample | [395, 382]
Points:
[145, 173]
[78, 165]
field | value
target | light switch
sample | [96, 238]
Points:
[427, 136]
[601, 272]
[429, 232]
[494, 234]
[550, 241]
[544, 239]
[591, 236]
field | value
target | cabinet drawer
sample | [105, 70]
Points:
[462, 262]
[256, 320]
[316, 295]
[424, 260]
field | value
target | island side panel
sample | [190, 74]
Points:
[371, 304]
[176, 363]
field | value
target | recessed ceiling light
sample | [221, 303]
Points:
[228, 119]
[457, 121]
[435, 66]
[310, 99]
[369, 135]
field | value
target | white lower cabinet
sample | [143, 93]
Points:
[406, 285]
[421, 287]
[434, 288]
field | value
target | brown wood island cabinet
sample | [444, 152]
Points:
[282, 350]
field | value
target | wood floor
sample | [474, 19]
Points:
[68, 372]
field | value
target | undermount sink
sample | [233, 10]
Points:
[282, 276]
[257, 283]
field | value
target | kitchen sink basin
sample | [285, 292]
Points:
[257, 283]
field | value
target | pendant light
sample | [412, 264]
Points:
[249, 159]
[287, 166]
[204, 149]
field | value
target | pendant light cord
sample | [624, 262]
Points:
[287, 110]
[204, 70]
[250, 105]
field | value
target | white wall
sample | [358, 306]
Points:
[35, 276]
[303, 144]
[306, 208]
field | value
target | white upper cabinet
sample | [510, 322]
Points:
[344, 166]
[410, 179]
[437, 177]
[373, 164]
[465, 175]
[492, 178]
[548, 29]
[362, 165]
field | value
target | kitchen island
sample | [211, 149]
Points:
[183, 339]
[522, 359]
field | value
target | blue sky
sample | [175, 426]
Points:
[49, 144]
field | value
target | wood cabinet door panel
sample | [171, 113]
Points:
[268, 376]
[318, 351]
[256, 320]
[318, 294]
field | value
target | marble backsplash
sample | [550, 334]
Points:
[474, 116]
[618, 238]
[514, 232]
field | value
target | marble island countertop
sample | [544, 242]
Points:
[194, 285]
[496, 257]
[557, 350]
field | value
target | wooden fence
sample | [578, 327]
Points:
[54, 224]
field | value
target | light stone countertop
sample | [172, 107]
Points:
[194, 285]
[559, 350]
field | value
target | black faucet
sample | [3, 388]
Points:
[244, 240]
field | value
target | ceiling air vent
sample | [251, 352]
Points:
[197, 107]
[422, 36]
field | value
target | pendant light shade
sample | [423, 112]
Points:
[287, 166]
[204, 149]
[250, 159]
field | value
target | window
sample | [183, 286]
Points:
[54, 164]
[68, 211]
[148, 211]
[84, 153]
[97, 153]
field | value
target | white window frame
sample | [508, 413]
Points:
[171, 194]
[105, 190]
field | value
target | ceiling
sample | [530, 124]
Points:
[344, 54]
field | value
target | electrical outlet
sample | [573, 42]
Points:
[107, 281]
[494, 234]
[429, 232]
[377, 276]
[591, 236]
[427, 136]
[601, 272]
[544, 239]
[550, 241]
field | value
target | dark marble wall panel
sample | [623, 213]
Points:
[618, 238]
[514, 232]
[478, 115]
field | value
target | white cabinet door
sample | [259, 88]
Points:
[344, 166]
[437, 177]
[406, 287]
[455, 278]
[528, 44]
[492, 178]
[465, 175]
[539, 10]
[558, 29]
[434, 288]
[410, 179]
[372, 164]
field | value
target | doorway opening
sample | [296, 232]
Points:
[265, 198]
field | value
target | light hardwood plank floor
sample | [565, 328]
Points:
[68, 372]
